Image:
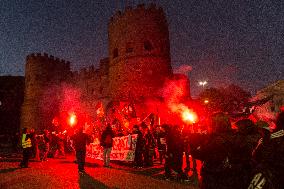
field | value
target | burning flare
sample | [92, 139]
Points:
[72, 119]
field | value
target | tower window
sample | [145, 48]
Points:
[115, 53]
[129, 49]
[148, 46]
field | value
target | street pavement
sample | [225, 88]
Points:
[63, 173]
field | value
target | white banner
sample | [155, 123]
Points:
[123, 148]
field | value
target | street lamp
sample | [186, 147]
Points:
[202, 83]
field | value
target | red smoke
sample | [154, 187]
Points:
[176, 94]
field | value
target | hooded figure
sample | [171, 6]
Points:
[215, 153]
[80, 141]
[269, 172]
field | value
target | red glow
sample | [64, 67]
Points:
[189, 116]
[55, 121]
[72, 119]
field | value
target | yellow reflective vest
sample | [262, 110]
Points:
[26, 143]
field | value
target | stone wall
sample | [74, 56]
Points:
[43, 77]
[137, 66]
[139, 52]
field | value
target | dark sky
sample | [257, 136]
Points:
[239, 42]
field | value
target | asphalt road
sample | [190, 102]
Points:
[62, 173]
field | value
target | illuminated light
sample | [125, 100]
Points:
[189, 116]
[206, 101]
[202, 83]
[72, 120]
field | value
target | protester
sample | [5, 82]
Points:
[35, 149]
[161, 142]
[138, 161]
[60, 151]
[246, 140]
[149, 147]
[27, 147]
[46, 141]
[215, 153]
[80, 141]
[174, 154]
[269, 172]
[186, 133]
[106, 142]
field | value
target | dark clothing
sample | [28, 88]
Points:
[106, 138]
[80, 141]
[161, 144]
[26, 156]
[27, 150]
[140, 141]
[215, 154]
[34, 141]
[174, 153]
[138, 161]
[161, 140]
[81, 156]
[241, 159]
[270, 161]
[149, 149]
[46, 138]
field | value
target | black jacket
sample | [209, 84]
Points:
[80, 141]
[106, 138]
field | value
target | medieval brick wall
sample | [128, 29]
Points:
[139, 52]
[43, 77]
[137, 66]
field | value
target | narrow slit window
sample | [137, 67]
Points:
[148, 46]
[115, 53]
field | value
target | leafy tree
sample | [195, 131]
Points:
[212, 98]
[229, 99]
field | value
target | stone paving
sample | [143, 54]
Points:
[62, 173]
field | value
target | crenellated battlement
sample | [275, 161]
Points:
[129, 11]
[44, 57]
[137, 65]
[88, 72]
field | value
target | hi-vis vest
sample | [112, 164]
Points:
[26, 143]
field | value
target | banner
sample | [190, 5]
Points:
[123, 148]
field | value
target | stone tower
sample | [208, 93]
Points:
[43, 77]
[139, 52]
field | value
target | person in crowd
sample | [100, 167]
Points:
[160, 137]
[107, 142]
[60, 151]
[264, 130]
[80, 140]
[215, 154]
[27, 147]
[46, 147]
[246, 140]
[138, 161]
[174, 153]
[149, 147]
[186, 132]
[269, 172]
[35, 149]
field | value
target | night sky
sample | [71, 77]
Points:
[239, 42]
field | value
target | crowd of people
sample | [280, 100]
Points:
[40, 147]
[248, 156]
